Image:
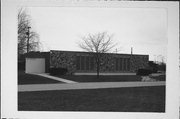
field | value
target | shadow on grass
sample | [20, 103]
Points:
[24, 78]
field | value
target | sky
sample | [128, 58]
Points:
[144, 29]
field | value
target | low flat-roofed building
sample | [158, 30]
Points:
[85, 62]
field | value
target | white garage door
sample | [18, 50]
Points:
[35, 65]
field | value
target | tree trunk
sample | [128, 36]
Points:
[97, 72]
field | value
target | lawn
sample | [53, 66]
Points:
[24, 78]
[139, 99]
[107, 78]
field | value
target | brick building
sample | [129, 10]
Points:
[77, 62]
[85, 62]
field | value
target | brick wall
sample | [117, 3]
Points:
[68, 59]
[139, 61]
[63, 60]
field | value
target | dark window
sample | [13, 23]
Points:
[120, 64]
[87, 63]
[128, 64]
[91, 63]
[123, 64]
[78, 63]
[117, 64]
[82, 63]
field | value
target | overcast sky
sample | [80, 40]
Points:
[144, 29]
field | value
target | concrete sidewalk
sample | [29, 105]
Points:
[99, 85]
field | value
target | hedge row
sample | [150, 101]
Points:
[144, 72]
[58, 71]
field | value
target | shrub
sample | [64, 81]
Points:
[143, 72]
[153, 66]
[58, 71]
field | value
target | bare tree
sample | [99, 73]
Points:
[97, 44]
[28, 39]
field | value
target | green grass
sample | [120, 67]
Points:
[24, 78]
[108, 78]
[139, 99]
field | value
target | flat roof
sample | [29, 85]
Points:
[94, 52]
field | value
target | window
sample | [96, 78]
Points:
[84, 63]
[91, 63]
[117, 64]
[78, 63]
[122, 64]
[87, 63]
[128, 64]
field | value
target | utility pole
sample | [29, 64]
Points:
[131, 50]
[130, 65]
[27, 33]
[155, 58]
